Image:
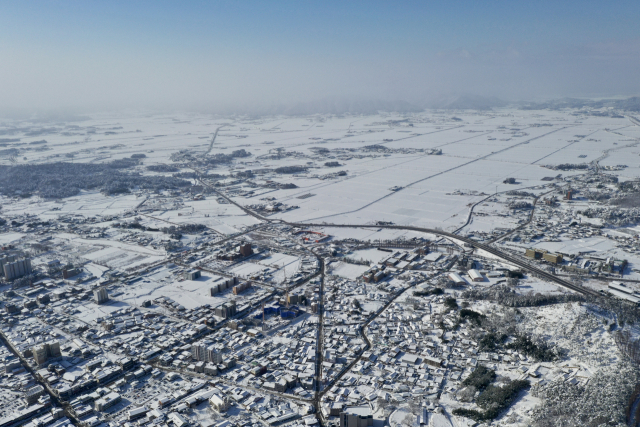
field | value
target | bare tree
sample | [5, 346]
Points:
[414, 405]
[408, 420]
[381, 403]
[627, 345]
[466, 394]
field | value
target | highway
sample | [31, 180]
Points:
[25, 364]
[485, 247]
[320, 391]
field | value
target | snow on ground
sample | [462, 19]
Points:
[581, 332]
[574, 246]
[246, 269]
[279, 260]
[478, 154]
[105, 243]
[95, 269]
[7, 238]
[533, 285]
[397, 181]
[346, 270]
[189, 293]
[398, 416]
[373, 255]
[370, 233]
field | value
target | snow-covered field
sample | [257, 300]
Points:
[478, 174]
[479, 151]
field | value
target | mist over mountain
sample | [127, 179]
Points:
[467, 102]
[628, 104]
[327, 105]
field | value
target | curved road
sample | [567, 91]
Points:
[319, 390]
[485, 247]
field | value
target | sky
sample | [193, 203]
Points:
[234, 55]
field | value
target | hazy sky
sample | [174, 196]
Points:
[212, 54]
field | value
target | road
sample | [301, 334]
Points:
[320, 339]
[485, 247]
[477, 159]
[527, 222]
[320, 391]
[495, 194]
[52, 395]
[213, 139]
[174, 223]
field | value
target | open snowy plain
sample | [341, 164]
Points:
[137, 204]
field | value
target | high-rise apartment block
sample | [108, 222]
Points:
[100, 295]
[43, 352]
[205, 352]
[18, 268]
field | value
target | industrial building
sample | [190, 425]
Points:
[475, 275]
[456, 278]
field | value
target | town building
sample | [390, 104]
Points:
[100, 295]
[33, 394]
[192, 275]
[107, 401]
[15, 269]
[356, 416]
[44, 352]
[456, 279]
[475, 275]
[226, 310]
[219, 403]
